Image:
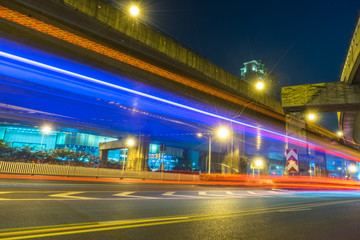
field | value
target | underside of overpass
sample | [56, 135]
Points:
[97, 40]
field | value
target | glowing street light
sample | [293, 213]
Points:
[134, 10]
[311, 116]
[353, 168]
[340, 133]
[45, 130]
[259, 85]
[222, 133]
[258, 163]
[130, 142]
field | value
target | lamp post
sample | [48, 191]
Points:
[258, 164]
[221, 133]
[44, 130]
[353, 169]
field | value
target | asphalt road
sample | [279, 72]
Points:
[69, 210]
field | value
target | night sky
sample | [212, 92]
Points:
[300, 41]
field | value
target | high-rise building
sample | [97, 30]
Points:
[255, 70]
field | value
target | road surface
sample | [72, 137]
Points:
[31, 209]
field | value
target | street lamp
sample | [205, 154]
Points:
[258, 163]
[352, 169]
[311, 116]
[45, 130]
[259, 85]
[134, 10]
[340, 133]
[222, 133]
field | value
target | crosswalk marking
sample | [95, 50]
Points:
[168, 193]
[251, 192]
[70, 195]
[202, 193]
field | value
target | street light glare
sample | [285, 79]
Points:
[259, 85]
[223, 133]
[258, 163]
[353, 168]
[311, 116]
[134, 10]
[130, 142]
[199, 135]
[46, 130]
[340, 133]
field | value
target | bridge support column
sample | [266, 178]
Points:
[137, 155]
[103, 156]
[297, 129]
[235, 160]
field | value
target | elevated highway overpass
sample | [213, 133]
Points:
[86, 65]
[342, 97]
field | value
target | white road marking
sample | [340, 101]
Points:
[202, 193]
[127, 194]
[229, 193]
[295, 210]
[251, 192]
[168, 193]
[69, 195]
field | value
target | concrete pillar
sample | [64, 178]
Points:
[235, 160]
[137, 156]
[297, 129]
[103, 156]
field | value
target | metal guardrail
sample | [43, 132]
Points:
[76, 171]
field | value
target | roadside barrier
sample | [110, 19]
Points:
[76, 171]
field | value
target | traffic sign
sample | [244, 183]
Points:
[292, 162]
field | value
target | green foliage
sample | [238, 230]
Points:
[53, 156]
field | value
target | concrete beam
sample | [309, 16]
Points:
[323, 97]
[351, 70]
[137, 155]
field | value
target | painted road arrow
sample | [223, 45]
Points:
[70, 195]
[127, 194]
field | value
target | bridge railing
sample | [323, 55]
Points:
[76, 171]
